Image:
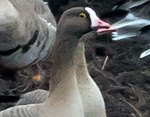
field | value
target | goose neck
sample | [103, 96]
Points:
[63, 69]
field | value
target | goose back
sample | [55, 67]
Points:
[28, 36]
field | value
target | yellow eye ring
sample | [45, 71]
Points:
[82, 15]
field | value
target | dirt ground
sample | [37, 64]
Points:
[124, 80]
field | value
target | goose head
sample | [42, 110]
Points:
[79, 21]
[74, 24]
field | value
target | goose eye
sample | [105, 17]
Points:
[82, 15]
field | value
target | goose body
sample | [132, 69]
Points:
[27, 32]
[66, 98]
[91, 96]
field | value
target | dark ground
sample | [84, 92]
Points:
[124, 82]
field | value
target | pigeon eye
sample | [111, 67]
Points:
[82, 15]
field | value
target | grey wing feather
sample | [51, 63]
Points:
[33, 97]
[22, 111]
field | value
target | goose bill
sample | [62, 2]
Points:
[105, 30]
[96, 23]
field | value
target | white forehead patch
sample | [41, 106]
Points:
[92, 15]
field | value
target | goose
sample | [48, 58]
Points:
[84, 81]
[27, 33]
[66, 99]
[94, 104]
[92, 98]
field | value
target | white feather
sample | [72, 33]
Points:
[144, 54]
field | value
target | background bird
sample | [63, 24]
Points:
[27, 33]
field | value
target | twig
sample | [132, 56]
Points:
[133, 115]
[40, 69]
[139, 95]
[134, 108]
[106, 59]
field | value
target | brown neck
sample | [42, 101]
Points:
[63, 61]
